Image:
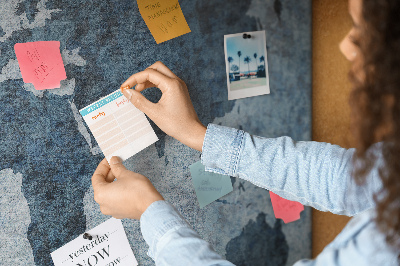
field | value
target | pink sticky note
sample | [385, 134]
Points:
[41, 64]
[284, 209]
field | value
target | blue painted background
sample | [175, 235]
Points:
[48, 155]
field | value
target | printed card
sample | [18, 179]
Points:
[108, 246]
[118, 126]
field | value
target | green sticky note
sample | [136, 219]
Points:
[209, 186]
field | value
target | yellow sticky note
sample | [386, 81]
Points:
[164, 19]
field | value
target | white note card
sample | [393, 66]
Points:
[118, 126]
[108, 247]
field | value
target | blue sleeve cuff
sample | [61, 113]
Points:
[158, 219]
[222, 148]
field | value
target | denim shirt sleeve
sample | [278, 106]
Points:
[172, 241]
[312, 173]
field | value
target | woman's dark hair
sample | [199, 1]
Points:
[375, 102]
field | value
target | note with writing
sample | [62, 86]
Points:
[118, 126]
[164, 18]
[209, 186]
[41, 64]
[284, 209]
[108, 246]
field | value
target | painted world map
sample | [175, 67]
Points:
[48, 154]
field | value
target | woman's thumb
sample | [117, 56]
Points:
[138, 100]
[116, 166]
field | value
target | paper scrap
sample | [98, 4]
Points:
[209, 186]
[109, 246]
[41, 64]
[164, 18]
[118, 126]
[284, 209]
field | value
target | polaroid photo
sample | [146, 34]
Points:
[246, 64]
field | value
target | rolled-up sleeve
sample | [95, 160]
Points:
[172, 241]
[313, 173]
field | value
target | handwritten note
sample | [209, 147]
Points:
[209, 186]
[41, 64]
[108, 246]
[164, 18]
[118, 126]
[284, 209]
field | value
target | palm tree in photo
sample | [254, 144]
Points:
[247, 60]
[234, 68]
[239, 54]
[262, 71]
[262, 59]
[255, 60]
[230, 60]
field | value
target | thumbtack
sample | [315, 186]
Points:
[87, 236]
[124, 88]
[246, 36]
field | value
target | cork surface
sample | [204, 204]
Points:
[331, 88]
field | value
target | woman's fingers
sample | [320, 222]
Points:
[153, 76]
[100, 175]
[143, 86]
[140, 102]
[110, 177]
[174, 113]
[160, 67]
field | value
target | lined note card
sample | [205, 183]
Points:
[164, 18]
[41, 64]
[118, 126]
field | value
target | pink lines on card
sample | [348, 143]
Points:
[126, 113]
[139, 133]
[109, 134]
[114, 148]
[117, 130]
[111, 141]
[97, 128]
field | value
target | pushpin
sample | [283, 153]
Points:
[87, 236]
[125, 88]
[246, 36]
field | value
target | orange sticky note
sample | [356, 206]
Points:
[41, 63]
[164, 19]
[284, 209]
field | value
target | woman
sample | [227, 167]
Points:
[316, 174]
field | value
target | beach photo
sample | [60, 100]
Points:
[246, 64]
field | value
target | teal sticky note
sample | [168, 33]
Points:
[209, 186]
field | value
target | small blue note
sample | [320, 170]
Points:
[209, 186]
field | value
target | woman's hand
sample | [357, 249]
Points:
[128, 196]
[174, 113]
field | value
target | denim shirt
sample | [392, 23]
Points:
[312, 173]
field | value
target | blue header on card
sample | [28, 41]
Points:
[102, 102]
